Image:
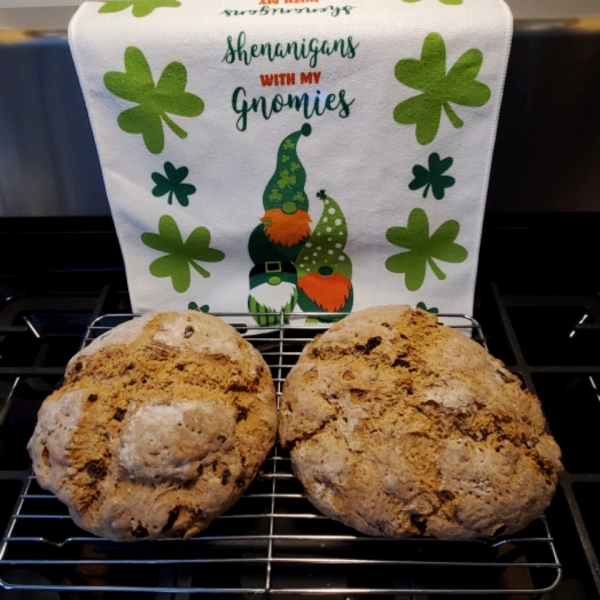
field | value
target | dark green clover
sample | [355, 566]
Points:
[154, 102]
[433, 178]
[141, 8]
[180, 255]
[193, 306]
[422, 249]
[432, 310]
[173, 184]
[439, 89]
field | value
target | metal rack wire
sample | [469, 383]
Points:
[272, 541]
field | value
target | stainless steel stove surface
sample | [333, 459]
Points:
[540, 320]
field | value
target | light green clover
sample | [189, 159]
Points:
[180, 255]
[275, 195]
[422, 249]
[286, 180]
[154, 101]
[141, 8]
[439, 89]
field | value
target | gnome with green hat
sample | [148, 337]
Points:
[285, 226]
[324, 269]
[275, 243]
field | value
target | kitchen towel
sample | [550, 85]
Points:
[303, 156]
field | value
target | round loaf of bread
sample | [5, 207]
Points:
[161, 425]
[398, 426]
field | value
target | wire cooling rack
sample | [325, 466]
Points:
[272, 541]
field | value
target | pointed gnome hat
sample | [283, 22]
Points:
[324, 268]
[324, 251]
[285, 189]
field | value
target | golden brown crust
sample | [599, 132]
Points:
[160, 427]
[398, 426]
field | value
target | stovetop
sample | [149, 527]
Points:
[537, 300]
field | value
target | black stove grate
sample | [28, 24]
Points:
[554, 345]
[272, 541]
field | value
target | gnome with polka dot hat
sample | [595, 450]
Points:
[324, 269]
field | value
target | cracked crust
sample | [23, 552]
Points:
[161, 425]
[398, 425]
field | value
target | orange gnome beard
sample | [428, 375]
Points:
[284, 229]
[330, 292]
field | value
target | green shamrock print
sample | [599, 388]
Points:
[433, 178]
[286, 180]
[423, 306]
[154, 102]
[180, 255]
[422, 249]
[173, 184]
[439, 89]
[141, 8]
[194, 306]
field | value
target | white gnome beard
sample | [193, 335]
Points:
[274, 297]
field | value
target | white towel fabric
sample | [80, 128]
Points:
[298, 155]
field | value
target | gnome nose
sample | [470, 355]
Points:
[289, 208]
[325, 270]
